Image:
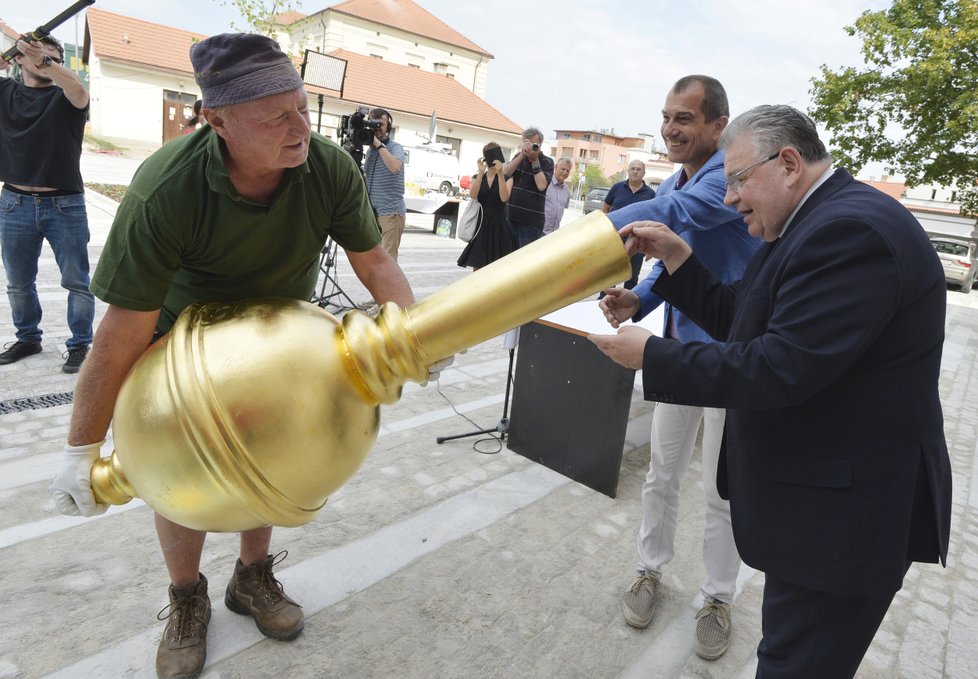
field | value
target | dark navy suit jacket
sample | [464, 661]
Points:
[835, 461]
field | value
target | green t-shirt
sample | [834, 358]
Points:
[184, 235]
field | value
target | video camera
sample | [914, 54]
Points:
[356, 131]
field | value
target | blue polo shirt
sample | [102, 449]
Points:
[621, 195]
[717, 234]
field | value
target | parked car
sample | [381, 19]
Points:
[595, 198]
[957, 257]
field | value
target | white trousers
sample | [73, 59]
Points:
[674, 429]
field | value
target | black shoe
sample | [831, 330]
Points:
[75, 357]
[19, 350]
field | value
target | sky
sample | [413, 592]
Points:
[591, 64]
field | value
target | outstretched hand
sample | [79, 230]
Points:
[619, 305]
[627, 348]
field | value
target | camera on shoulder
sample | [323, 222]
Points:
[357, 129]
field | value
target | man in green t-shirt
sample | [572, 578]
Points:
[241, 208]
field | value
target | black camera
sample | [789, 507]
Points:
[356, 131]
[535, 147]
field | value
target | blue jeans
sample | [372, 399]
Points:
[524, 234]
[25, 222]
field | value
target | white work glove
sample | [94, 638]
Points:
[71, 489]
[434, 370]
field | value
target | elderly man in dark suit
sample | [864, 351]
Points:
[834, 461]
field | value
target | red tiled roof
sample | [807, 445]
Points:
[896, 190]
[134, 41]
[407, 16]
[368, 81]
[927, 209]
[290, 17]
[120, 38]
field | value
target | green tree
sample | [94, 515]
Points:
[592, 178]
[260, 14]
[914, 105]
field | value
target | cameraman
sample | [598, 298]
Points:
[384, 171]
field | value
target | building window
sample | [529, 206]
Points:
[454, 142]
[564, 135]
[587, 137]
[594, 155]
[414, 66]
[582, 154]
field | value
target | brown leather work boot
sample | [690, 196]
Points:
[254, 591]
[183, 648]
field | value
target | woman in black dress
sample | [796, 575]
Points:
[494, 239]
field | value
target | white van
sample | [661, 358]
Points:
[429, 169]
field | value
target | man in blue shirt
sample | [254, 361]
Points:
[691, 202]
[631, 190]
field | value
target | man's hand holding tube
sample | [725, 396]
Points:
[71, 489]
[657, 241]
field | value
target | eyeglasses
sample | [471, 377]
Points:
[737, 179]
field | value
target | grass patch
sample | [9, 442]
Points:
[113, 191]
[102, 144]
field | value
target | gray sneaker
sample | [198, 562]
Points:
[712, 629]
[638, 603]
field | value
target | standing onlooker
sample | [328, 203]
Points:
[384, 171]
[628, 191]
[694, 116]
[492, 190]
[42, 121]
[193, 122]
[558, 195]
[531, 172]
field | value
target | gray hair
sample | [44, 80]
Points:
[772, 127]
[532, 132]
[564, 160]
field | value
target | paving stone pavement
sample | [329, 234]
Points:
[454, 560]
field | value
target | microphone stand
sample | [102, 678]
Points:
[502, 427]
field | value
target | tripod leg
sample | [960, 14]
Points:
[502, 427]
[442, 439]
[327, 265]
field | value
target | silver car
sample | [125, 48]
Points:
[957, 257]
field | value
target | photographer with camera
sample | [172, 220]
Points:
[42, 121]
[531, 172]
[384, 172]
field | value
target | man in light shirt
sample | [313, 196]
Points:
[558, 196]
